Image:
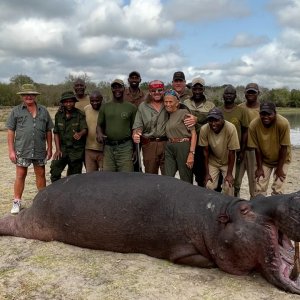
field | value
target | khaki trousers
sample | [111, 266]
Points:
[93, 160]
[215, 173]
[277, 185]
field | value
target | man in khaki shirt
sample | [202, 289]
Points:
[269, 135]
[220, 141]
[93, 149]
[82, 97]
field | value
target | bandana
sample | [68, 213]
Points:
[156, 84]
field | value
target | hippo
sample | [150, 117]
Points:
[166, 218]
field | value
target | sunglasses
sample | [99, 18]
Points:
[157, 91]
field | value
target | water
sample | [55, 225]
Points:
[294, 120]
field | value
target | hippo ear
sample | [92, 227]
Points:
[223, 218]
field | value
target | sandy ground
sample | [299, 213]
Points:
[32, 269]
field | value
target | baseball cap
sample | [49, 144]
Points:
[118, 81]
[198, 80]
[134, 73]
[215, 113]
[252, 87]
[268, 107]
[179, 75]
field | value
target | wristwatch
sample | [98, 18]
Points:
[193, 152]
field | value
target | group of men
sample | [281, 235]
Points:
[231, 140]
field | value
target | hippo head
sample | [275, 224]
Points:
[256, 235]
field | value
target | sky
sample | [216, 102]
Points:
[223, 41]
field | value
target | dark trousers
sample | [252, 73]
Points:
[199, 166]
[57, 167]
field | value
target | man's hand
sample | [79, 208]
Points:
[190, 120]
[12, 156]
[57, 155]
[229, 179]
[279, 174]
[259, 173]
[136, 136]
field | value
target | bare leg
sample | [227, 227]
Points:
[21, 173]
[40, 178]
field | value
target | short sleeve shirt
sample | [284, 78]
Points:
[269, 140]
[116, 118]
[175, 127]
[30, 133]
[238, 116]
[200, 111]
[83, 102]
[219, 144]
[91, 116]
[135, 99]
[253, 113]
[152, 122]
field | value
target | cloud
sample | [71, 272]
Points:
[287, 12]
[140, 19]
[245, 40]
[205, 10]
[13, 10]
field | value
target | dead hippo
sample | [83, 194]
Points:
[166, 218]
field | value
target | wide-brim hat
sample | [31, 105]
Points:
[28, 89]
[68, 95]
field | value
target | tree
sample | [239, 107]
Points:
[295, 98]
[20, 79]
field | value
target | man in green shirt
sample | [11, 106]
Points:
[238, 116]
[114, 125]
[70, 132]
[199, 106]
[29, 129]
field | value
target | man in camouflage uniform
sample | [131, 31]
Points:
[69, 135]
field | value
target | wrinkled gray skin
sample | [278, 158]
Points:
[166, 218]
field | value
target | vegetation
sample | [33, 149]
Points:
[50, 93]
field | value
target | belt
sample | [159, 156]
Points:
[179, 140]
[116, 143]
[158, 139]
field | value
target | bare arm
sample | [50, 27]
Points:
[190, 158]
[231, 160]
[58, 153]
[49, 144]
[281, 160]
[206, 158]
[259, 171]
[11, 145]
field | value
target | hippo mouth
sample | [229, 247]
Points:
[279, 262]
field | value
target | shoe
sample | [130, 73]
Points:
[16, 207]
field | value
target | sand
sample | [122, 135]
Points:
[32, 269]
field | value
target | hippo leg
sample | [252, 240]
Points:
[196, 260]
